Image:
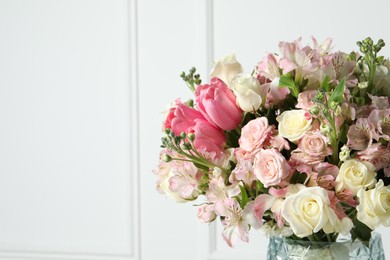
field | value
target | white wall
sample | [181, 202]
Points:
[82, 85]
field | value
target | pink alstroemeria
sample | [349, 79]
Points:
[243, 172]
[185, 180]
[266, 202]
[236, 221]
[268, 75]
[379, 102]
[206, 213]
[361, 134]
[298, 58]
[377, 154]
[218, 193]
[381, 120]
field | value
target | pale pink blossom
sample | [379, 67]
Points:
[265, 202]
[164, 172]
[217, 103]
[274, 94]
[297, 58]
[235, 227]
[377, 154]
[361, 134]
[269, 67]
[379, 102]
[268, 74]
[255, 134]
[243, 172]
[270, 167]
[218, 192]
[381, 120]
[206, 213]
[326, 175]
[185, 180]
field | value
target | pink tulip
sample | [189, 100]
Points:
[182, 118]
[208, 138]
[217, 104]
[188, 120]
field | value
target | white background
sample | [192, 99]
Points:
[82, 87]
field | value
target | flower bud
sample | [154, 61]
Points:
[344, 153]
[325, 129]
[191, 137]
[166, 158]
[183, 135]
[314, 111]
[338, 111]
[363, 85]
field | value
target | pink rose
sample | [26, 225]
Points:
[255, 134]
[270, 167]
[217, 104]
[312, 149]
[305, 101]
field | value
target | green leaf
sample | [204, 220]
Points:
[361, 231]
[287, 81]
[343, 134]
[298, 177]
[338, 93]
[244, 196]
[325, 83]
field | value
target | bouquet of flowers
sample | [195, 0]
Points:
[299, 147]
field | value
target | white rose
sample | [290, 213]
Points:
[226, 68]
[308, 211]
[374, 206]
[293, 124]
[355, 175]
[247, 91]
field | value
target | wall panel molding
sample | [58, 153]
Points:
[135, 160]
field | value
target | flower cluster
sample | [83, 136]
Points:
[299, 148]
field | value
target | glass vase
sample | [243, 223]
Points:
[280, 248]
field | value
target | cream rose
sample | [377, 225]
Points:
[270, 167]
[247, 91]
[226, 68]
[309, 211]
[293, 124]
[374, 206]
[355, 175]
